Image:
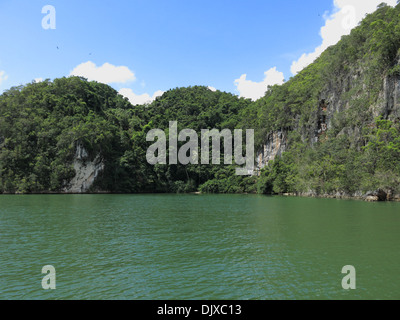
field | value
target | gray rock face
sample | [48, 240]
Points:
[372, 199]
[86, 171]
[332, 101]
[274, 146]
[81, 153]
[378, 195]
[391, 98]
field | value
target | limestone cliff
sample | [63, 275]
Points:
[86, 171]
[274, 146]
[340, 95]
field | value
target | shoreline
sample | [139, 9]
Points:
[368, 197]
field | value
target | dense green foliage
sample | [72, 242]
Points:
[359, 152]
[369, 52]
[41, 125]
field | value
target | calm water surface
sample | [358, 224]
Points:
[197, 247]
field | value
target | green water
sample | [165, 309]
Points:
[197, 247]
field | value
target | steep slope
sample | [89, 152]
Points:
[326, 117]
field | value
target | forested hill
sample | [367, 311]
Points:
[347, 106]
[333, 129]
[51, 132]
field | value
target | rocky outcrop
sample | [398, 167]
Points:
[378, 195]
[335, 98]
[390, 107]
[340, 94]
[86, 171]
[274, 146]
[331, 101]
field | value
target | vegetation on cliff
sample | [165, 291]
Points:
[41, 125]
[359, 151]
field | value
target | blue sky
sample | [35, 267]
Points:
[150, 46]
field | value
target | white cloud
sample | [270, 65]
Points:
[37, 80]
[107, 73]
[256, 90]
[212, 88]
[347, 15]
[3, 76]
[139, 99]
